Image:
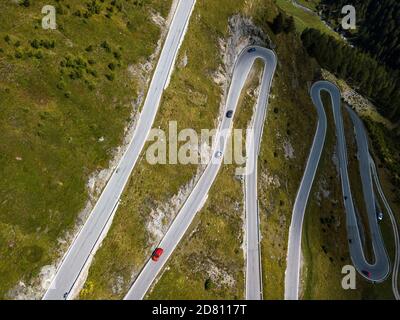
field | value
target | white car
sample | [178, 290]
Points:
[218, 154]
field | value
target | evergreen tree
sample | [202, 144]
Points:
[278, 24]
[378, 26]
[360, 69]
[289, 25]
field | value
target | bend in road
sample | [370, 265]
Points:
[380, 269]
[369, 168]
[199, 194]
[253, 253]
[292, 275]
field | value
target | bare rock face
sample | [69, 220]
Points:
[243, 32]
[162, 215]
[289, 150]
[184, 61]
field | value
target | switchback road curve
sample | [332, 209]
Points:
[199, 194]
[367, 166]
[292, 276]
[379, 270]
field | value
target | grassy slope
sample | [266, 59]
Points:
[51, 124]
[283, 110]
[291, 121]
[291, 118]
[322, 272]
[324, 246]
[215, 238]
[304, 19]
[325, 241]
[192, 99]
[311, 4]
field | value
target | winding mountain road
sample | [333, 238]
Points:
[84, 245]
[369, 168]
[199, 194]
[254, 287]
[379, 270]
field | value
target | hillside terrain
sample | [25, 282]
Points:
[69, 102]
[67, 97]
[378, 26]
[208, 262]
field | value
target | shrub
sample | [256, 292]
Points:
[18, 54]
[208, 284]
[35, 44]
[61, 85]
[93, 8]
[92, 72]
[25, 3]
[75, 74]
[110, 76]
[39, 55]
[106, 46]
[117, 55]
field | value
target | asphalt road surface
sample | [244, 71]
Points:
[82, 247]
[292, 276]
[253, 253]
[198, 196]
[376, 272]
[389, 211]
[380, 269]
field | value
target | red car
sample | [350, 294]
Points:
[157, 254]
[366, 273]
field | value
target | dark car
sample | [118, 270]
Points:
[229, 114]
[157, 254]
[251, 50]
[218, 154]
[366, 273]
